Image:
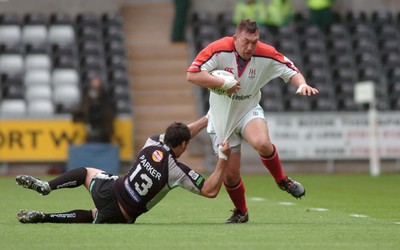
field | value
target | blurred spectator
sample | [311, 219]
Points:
[179, 24]
[320, 12]
[250, 9]
[279, 13]
[97, 112]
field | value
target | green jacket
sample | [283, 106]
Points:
[279, 12]
[319, 4]
[255, 11]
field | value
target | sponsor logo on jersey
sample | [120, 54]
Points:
[157, 156]
[193, 174]
[199, 180]
[130, 191]
[218, 91]
[252, 74]
[229, 70]
[239, 97]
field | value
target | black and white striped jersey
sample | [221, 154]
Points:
[155, 172]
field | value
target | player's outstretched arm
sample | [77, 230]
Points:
[213, 183]
[197, 126]
[302, 87]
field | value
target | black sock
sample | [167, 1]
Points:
[74, 216]
[71, 179]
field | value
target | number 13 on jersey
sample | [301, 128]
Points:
[143, 183]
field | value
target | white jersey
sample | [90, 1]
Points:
[265, 65]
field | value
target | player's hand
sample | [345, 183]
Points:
[229, 83]
[224, 150]
[235, 88]
[305, 89]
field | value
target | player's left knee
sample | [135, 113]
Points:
[264, 148]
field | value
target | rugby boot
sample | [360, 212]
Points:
[238, 217]
[27, 181]
[26, 216]
[292, 187]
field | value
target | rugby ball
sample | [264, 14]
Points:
[224, 75]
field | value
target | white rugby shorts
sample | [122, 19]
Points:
[236, 138]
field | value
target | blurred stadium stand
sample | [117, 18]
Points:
[46, 61]
[357, 47]
[55, 54]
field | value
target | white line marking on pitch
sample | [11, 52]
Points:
[257, 199]
[359, 215]
[286, 203]
[397, 223]
[319, 209]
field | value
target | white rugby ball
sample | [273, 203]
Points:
[224, 75]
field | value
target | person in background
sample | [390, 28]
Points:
[251, 9]
[97, 112]
[320, 12]
[279, 13]
[180, 20]
[155, 172]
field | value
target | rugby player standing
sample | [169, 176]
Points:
[237, 115]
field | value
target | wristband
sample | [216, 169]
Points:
[220, 154]
[301, 87]
[208, 115]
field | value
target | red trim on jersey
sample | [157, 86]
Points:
[222, 45]
[226, 45]
[265, 50]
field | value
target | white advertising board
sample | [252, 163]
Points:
[309, 136]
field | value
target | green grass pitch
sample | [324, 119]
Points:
[338, 212]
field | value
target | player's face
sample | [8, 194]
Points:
[180, 149]
[246, 43]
